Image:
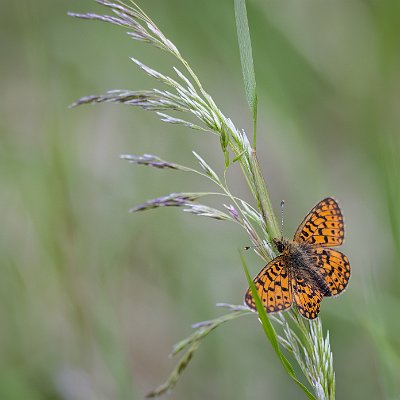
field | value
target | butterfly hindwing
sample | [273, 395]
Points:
[307, 297]
[273, 286]
[323, 226]
[334, 267]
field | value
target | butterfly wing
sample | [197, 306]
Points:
[307, 297]
[273, 287]
[323, 226]
[334, 267]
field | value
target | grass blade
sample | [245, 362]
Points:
[246, 58]
[270, 332]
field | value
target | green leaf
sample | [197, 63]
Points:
[270, 331]
[246, 58]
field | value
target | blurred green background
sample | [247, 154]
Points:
[91, 297]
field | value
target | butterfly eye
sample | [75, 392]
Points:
[279, 245]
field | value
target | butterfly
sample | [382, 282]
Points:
[307, 268]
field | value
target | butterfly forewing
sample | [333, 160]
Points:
[334, 266]
[273, 287]
[307, 297]
[323, 226]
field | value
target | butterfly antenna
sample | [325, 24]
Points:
[282, 207]
[256, 246]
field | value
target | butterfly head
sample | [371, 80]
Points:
[280, 244]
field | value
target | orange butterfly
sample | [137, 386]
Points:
[307, 269]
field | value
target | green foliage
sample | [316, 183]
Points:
[246, 58]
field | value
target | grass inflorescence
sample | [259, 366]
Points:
[292, 337]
